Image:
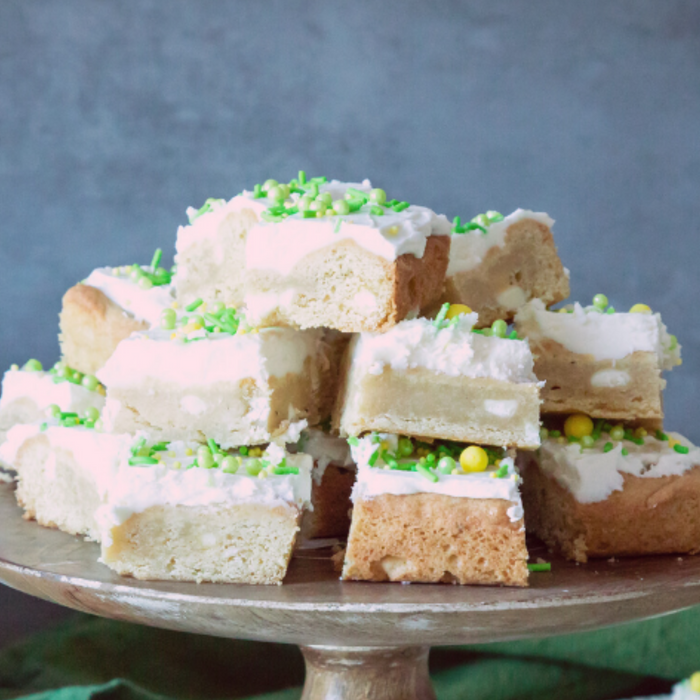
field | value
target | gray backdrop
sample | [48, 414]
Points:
[116, 116]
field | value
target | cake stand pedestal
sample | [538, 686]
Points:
[360, 640]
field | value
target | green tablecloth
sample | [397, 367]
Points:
[91, 657]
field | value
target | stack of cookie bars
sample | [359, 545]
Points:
[324, 362]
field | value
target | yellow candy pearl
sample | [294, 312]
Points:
[474, 459]
[456, 310]
[640, 309]
[578, 425]
[695, 682]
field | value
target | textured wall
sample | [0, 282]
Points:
[116, 116]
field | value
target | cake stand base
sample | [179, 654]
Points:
[374, 673]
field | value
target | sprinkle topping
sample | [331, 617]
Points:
[481, 222]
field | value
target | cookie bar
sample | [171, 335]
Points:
[238, 387]
[188, 512]
[600, 362]
[332, 479]
[419, 516]
[28, 392]
[441, 379]
[210, 256]
[341, 256]
[108, 306]
[615, 497]
[497, 264]
[63, 470]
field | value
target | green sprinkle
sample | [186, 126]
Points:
[499, 328]
[625, 452]
[377, 195]
[135, 461]
[67, 414]
[92, 413]
[600, 301]
[194, 305]
[588, 441]
[427, 473]
[681, 449]
[441, 315]
[138, 445]
[660, 435]
[354, 193]
[446, 464]
[513, 335]
[457, 225]
[607, 447]
[554, 433]
[405, 447]
[43, 426]
[373, 459]
[399, 208]
[494, 216]
[302, 177]
[502, 471]
[355, 205]
[376, 211]
[337, 226]
[544, 566]
[33, 366]
[213, 446]
[571, 439]
[610, 310]
[544, 434]
[353, 441]
[155, 262]
[673, 344]
[229, 465]
[254, 467]
[285, 470]
[160, 447]
[258, 192]
[617, 433]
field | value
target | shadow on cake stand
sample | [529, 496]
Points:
[360, 640]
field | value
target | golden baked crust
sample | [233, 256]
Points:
[568, 387]
[332, 288]
[528, 260]
[427, 537]
[649, 516]
[424, 403]
[243, 543]
[91, 328]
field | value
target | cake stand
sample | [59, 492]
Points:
[359, 640]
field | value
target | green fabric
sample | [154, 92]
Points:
[91, 657]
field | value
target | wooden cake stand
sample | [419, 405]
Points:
[360, 640]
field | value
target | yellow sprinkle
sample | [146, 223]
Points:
[243, 331]
[173, 336]
[174, 305]
[561, 311]
[189, 452]
[177, 465]
[255, 330]
[159, 456]
[392, 230]
[14, 368]
[578, 425]
[474, 459]
[203, 308]
[421, 451]
[262, 474]
[384, 444]
[640, 309]
[101, 390]
[457, 471]
[640, 433]
[456, 310]
[695, 682]
[171, 454]
[672, 442]
[217, 330]
[562, 440]
[493, 475]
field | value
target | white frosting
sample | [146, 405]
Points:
[453, 350]
[280, 246]
[587, 331]
[468, 250]
[325, 449]
[683, 691]
[96, 454]
[591, 475]
[143, 304]
[134, 489]
[377, 480]
[40, 388]
[206, 226]
[153, 356]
